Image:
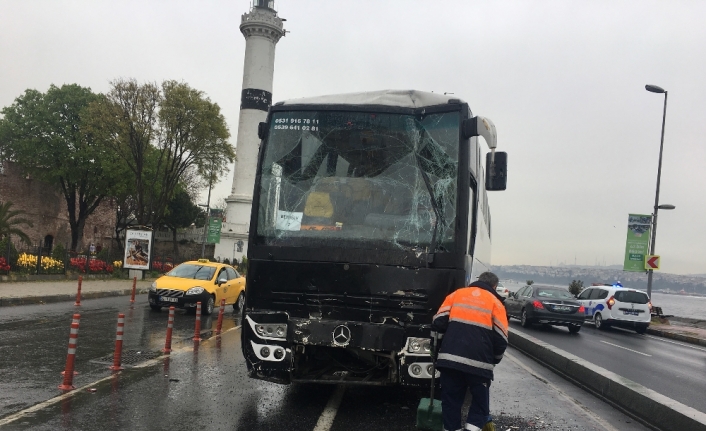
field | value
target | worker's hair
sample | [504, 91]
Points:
[489, 278]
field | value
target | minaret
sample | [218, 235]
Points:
[262, 29]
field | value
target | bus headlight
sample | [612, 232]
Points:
[277, 330]
[418, 345]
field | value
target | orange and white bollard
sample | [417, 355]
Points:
[78, 293]
[170, 326]
[117, 355]
[76, 318]
[134, 288]
[197, 328]
[67, 385]
[220, 317]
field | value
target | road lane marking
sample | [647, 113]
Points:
[674, 342]
[44, 404]
[621, 347]
[573, 401]
[329, 414]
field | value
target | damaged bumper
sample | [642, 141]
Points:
[283, 349]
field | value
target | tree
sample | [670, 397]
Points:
[181, 212]
[45, 134]
[576, 287]
[162, 133]
[530, 282]
[10, 220]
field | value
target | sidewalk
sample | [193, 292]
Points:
[681, 329]
[43, 292]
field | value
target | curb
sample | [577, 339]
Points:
[676, 336]
[29, 300]
[647, 406]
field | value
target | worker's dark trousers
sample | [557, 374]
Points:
[453, 392]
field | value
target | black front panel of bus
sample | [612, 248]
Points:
[349, 291]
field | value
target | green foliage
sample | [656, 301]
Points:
[46, 135]
[10, 220]
[162, 134]
[59, 252]
[104, 255]
[13, 254]
[243, 266]
[530, 282]
[181, 211]
[575, 287]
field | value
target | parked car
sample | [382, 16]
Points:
[547, 305]
[617, 305]
[502, 290]
[198, 280]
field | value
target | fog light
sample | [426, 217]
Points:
[429, 369]
[416, 369]
[265, 352]
[279, 354]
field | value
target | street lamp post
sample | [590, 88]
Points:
[208, 221]
[659, 90]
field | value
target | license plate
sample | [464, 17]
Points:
[562, 308]
[168, 299]
[631, 313]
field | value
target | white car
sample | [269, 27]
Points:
[616, 305]
[502, 290]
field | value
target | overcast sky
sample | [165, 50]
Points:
[562, 80]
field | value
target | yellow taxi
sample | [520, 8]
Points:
[198, 280]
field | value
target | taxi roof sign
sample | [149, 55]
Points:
[203, 260]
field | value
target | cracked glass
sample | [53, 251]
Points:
[360, 179]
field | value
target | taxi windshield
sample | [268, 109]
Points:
[189, 270]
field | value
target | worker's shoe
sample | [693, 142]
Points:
[490, 426]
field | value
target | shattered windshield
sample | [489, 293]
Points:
[373, 180]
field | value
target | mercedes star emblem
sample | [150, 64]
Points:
[341, 335]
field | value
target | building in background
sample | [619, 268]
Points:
[262, 29]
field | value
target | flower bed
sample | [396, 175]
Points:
[94, 265]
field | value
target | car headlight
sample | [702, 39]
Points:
[418, 345]
[153, 287]
[195, 290]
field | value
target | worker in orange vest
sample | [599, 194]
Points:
[473, 323]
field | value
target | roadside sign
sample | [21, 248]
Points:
[637, 242]
[652, 262]
[214, 230]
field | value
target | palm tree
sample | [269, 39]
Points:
[10, 219]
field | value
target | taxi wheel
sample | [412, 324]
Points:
[208, 308]
[240, 303]
[155, 307]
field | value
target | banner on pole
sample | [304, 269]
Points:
[137, 249]
[214, 230]
[638, 242]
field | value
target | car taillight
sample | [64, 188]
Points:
[582, 309]
[610, 302]
[538, 305]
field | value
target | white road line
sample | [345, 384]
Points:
[573, 401]
[621, 347]
[44, 404]
[329, 414]
[674, 342]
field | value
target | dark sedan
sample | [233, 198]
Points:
[547, 305]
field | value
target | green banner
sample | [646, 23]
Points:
[214, 230]
[638, 242]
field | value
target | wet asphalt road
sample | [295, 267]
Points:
[207, 387]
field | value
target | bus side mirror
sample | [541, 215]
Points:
[496, 171]
[262, 130]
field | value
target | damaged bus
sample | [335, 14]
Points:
[368, 209]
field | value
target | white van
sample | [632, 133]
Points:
[616, 305]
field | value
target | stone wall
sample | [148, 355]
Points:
[45, 206]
